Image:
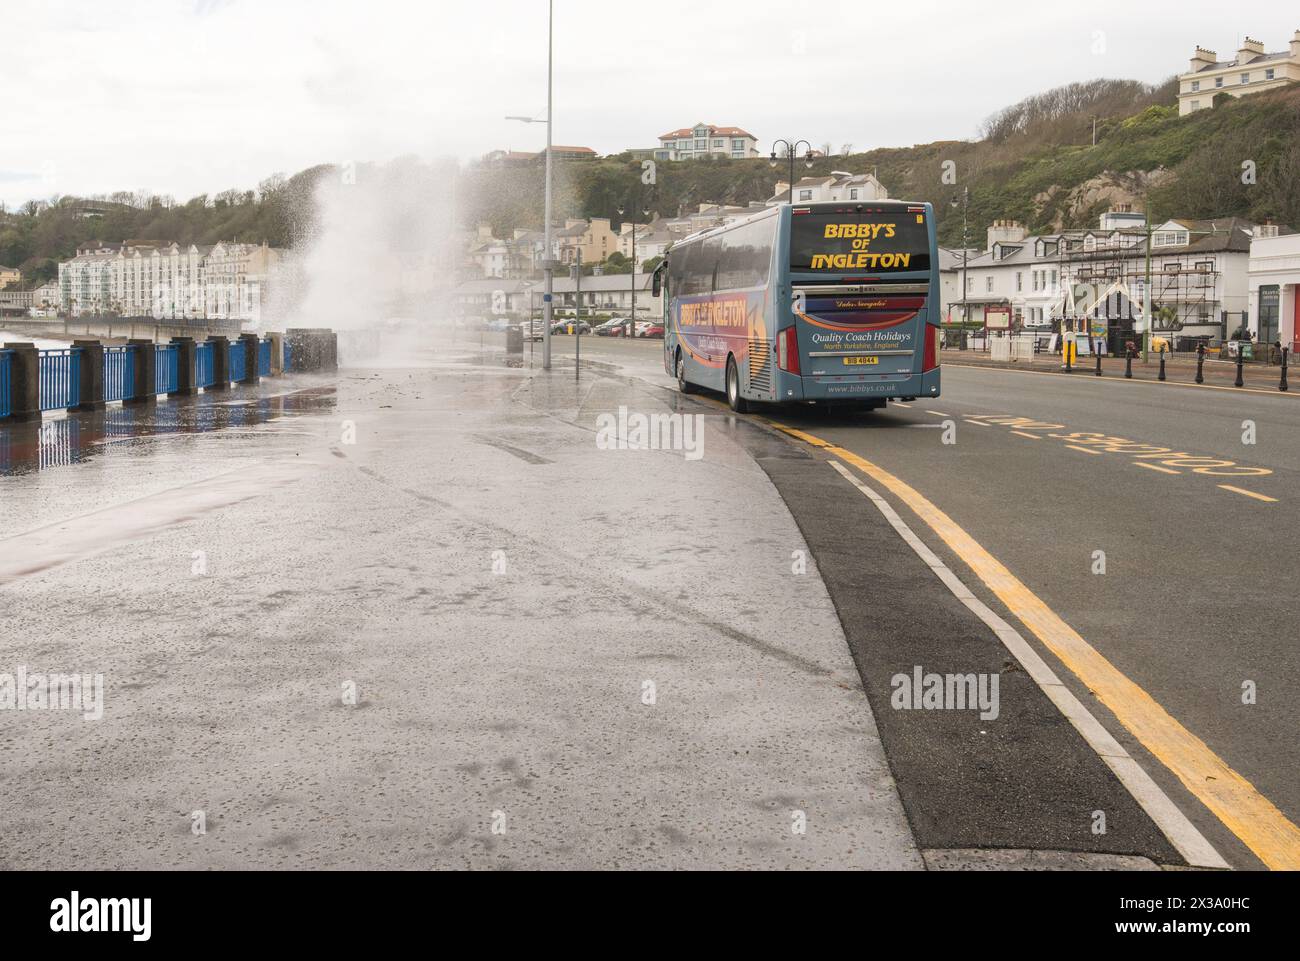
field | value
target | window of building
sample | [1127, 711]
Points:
[719, 143]
[1218, 81]
[1196, 85]
[1269, 74]
[1245, 78]
[988, 285]
[853, 194]
[1020, 281]
[805, 195]
[701, 144]
[1196, 105]
[1268, 313]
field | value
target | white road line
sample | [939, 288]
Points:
[1190, 843]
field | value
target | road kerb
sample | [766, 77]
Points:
[1182, 834]
[1254, 819]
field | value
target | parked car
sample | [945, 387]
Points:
[614, 327]
[532, 329]
[653, 330]
[578, 326]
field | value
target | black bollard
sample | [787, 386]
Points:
[1069, 350]
[1241, 359]
[1162, 366]
[1282, 386]
[1128, 363]
[1200, 363]
[1098, 360]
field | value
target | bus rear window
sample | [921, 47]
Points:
[879, 242]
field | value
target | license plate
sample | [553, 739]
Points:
[855, 361]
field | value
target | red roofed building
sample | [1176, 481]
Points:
[706, 139]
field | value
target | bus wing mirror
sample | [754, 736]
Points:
[657, 282]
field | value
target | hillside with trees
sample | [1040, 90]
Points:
[1035, 161]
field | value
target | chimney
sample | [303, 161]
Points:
[1250, 50]
[1295, 46]
[1005, 232]
[1203, 58]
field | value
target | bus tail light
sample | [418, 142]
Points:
[931, 357]
[787, 350]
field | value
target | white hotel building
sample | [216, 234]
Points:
[705, 140]
[1253, 70]
[1275, 288]
[1199, 273]
[227, 281]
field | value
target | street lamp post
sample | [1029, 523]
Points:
[790, 152]
[965, 251]
[645, 212]
[548, 263]
[1146, 300]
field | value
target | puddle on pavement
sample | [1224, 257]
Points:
[78, 437]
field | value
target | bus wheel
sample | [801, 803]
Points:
[736, 402]
[683, 385]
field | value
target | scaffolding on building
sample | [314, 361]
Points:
[1103, 289]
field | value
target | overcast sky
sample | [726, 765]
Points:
[196, 96]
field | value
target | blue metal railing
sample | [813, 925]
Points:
[167, 368]
[264, 358]
[238, 366]
[6, 382]
[205, 372]
[60, 379]
[119, 373]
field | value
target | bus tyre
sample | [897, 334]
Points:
[683, 385]
[734, 400]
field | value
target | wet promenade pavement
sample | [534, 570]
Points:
[419, 617]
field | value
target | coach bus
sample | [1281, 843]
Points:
[831, 304]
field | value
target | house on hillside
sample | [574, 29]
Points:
[838, 186]
[1251, 71]
[593, 237]
[706, 140]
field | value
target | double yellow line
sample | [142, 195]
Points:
[1254, 819]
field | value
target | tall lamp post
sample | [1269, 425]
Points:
[548, 264]
[645, 212]
[965, 250]
[1146, 300]
[790, 152]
